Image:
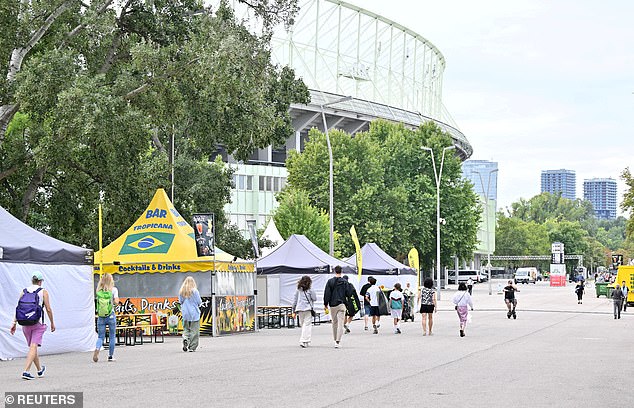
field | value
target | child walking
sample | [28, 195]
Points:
[396, 303]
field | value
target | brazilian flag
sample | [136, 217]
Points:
[147, 243]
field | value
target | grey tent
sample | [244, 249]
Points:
[67, 271]
[298, 255]
[21, 243]
[376, 262]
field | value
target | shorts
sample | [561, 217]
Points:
[366, 308]
[511, 301]
[33, 334]
[374, 311]
[427, 308]
[396, 313]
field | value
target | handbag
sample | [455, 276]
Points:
[312, 311]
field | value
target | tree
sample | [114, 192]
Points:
[295, 215]
[628, 201]
[384, 185]
[95, 91]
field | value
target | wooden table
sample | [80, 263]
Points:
[135, 327]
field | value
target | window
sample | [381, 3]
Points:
[269, 183]
[241, 182]
[276, 184]
[250, 183]
[261, 182]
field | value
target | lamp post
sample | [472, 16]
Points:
[330, 178]
[486, 215]
[437, 177]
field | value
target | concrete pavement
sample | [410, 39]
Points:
[556, 354]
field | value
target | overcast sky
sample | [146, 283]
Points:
[534, 85]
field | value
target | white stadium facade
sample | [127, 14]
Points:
[358, 66]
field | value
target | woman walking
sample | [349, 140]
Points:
[462, 299]
[396, 306]
[303, 303]
[107, 298]
[580, 290]
[190, 301]
[427, 298]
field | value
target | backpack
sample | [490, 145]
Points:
[29, 311]
[104, 303]
[396, 304]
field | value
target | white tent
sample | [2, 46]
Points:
[68, 278]
[272, 234]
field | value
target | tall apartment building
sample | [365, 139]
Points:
[601, 192]
[560, 181]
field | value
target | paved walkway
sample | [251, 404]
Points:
[556, 354]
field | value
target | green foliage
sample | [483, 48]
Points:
[295, 215]
[103, 92]
[384, 185]
[628, 201]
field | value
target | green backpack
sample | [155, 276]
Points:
[104, 303]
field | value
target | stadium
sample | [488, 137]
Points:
[358, 66]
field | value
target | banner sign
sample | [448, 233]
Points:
[353, 234]
[254, 237]
[235, 314]
[414, 262]
[204, 233]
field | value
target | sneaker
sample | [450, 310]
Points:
[376, 331]
[366, 328]
[398, 331]
[111, 359]
[347, 329]
[461, 333]
[191, 350]
[302, 345]
[27, 376]
[41, 372]
[508, 315]
[184, 344]
[95, 356]
[337, 345]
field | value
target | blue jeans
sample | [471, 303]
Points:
[111, 322]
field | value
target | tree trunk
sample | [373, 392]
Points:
[29, 195]
[6, 114]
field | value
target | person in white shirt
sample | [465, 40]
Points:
[396, 303]
[470, 285]
[462, 299]
[624, 289]
[372, 297]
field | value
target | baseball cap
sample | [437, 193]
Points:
[38, 276]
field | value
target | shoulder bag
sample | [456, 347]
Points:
[312, 311]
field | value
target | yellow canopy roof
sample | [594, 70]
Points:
[161, 241]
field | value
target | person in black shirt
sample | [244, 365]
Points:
[336, 292]
[509, 299]
[366, 304]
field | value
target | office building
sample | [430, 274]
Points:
[560, 181]
[601, 192]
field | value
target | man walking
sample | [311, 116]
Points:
[617, 298]
[372, 297]
[624, 289]
[335, 294]
[366, 304]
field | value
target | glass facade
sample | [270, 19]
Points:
[484, 177]
[602, 194]
[560, 182]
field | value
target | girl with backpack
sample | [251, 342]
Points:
[190, 301]
[396, 305]
[107, 297]
[30, 315]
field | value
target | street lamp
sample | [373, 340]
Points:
[486, 212]
[330, 179]
[437, 176]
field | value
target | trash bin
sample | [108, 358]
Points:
[601, 288]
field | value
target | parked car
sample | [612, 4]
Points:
[463, 276]
[526, 275]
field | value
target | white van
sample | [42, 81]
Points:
[463, 276]
[526, 275]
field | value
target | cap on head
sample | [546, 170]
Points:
[37, 276]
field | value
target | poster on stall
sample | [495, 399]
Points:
[204, 233]
[235, 314]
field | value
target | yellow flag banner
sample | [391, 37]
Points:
[414, 263]
[353, 234]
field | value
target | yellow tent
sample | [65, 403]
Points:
[162, 241]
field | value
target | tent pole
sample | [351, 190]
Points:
[100, 243]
